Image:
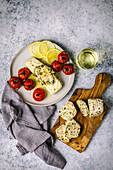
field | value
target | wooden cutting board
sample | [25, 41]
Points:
[88, 125]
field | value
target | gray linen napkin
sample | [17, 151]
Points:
[28, 125]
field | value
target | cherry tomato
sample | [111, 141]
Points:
[15, 82]
[24, 73]
[56, 66]
[29, 84]
[38, 94]
[63, 57]
[68, 69]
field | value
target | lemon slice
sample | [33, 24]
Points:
[33, 49]
[42, 49]
[49, 44]
[52, 55]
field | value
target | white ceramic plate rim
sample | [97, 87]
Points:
[58, 98]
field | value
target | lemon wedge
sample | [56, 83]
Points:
[49, 44]
[52, 55]
[42, 49]
[33, 49]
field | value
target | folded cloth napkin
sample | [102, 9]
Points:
[28, 125]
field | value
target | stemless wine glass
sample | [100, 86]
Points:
[87, 59]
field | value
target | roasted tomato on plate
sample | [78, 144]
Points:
[56, 66]
[29, 84]
[68, 69]
[38, 94]
[24, 73]
[63, 57]
[15, 82]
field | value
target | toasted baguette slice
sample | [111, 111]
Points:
[68, 111]
[83, 107]
[72, 129]
[60, 132]
[96, 107]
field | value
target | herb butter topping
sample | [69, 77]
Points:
[45, 75]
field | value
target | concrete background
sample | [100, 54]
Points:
[74, 25]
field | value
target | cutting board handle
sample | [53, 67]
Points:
[102, 81]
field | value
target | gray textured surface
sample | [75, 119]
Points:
[74, 25]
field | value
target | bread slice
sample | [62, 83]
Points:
[72, 129]
[96, 107]
[60, 132]
[68, 111]
[83, 107]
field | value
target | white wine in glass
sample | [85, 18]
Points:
[87, 59]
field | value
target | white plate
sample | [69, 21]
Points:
[19, 62]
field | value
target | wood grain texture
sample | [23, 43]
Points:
[88, 124]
